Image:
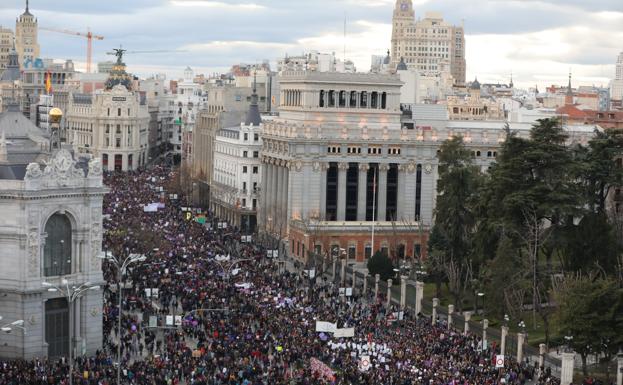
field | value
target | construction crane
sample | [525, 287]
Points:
[89, 35]
[119, 52]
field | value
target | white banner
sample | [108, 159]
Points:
[178, 320]
[344, 333]
[169, 320]
[364, 363]
[327, 327]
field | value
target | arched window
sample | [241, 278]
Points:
[384, 100]
[57, 250]
[374, 100]
[321, 98]
[342, 99]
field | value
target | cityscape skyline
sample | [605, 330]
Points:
[535, 47]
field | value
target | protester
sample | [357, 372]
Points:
[260, 328]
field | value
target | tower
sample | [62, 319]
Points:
[26, 32]
[569, 94]
[403, 18]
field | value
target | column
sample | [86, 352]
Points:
[521, 338]
[485, 326]
[542, 351]
[365, 281]
[400, 204]
[450, 312]
[273, 193]
[403, 291]
[341, 191]
[377, 278]
[285, 203]
[382, 193]
[389, 292]
[435, 304]
[262, 213]
[419, 296]
[322, 167]
[503, 340]
[362, 187]
[333, 268]
[343, 272]
[467, 315]
[566, 374]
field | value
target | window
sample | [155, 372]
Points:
[368, 251]
[244, 186]
[118, 142]
[108, 128]
[256, 154]
[57, 249]
[244, 202]
[118, 111]
[245, 154]
[244, 169]
[254, 186]
[118, 129]
[246, 137]
[254, 204]
[255, 169]
[256, 137]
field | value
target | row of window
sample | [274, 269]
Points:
[298, 248]
[372, 150]
[490, 154]
[118, 112]
[353, 99]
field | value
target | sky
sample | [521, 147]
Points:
[538, 41]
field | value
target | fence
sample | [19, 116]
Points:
[493, 334]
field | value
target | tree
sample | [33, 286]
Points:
[590, 310]
[382, 265]
[456, 190]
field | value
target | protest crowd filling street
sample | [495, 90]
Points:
[261, 328]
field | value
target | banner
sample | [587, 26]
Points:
[364, 363]
[169, 320]
[328, 327]
[151, 208]
[153, 321]
[344, 333]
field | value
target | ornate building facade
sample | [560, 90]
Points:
[427, 43]
[341, 163]
[50, 230]
[26, 37]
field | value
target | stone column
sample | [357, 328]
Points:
[435, 304]
[400, 204]
[485, 326]
[262, 204]
[282, 196]
[354, 280]
[273, 194]
[343, 272]
[322, 167]
[450, 312]
[341, 191]
[365, 281]
[419, 296]
[377, 278]
[566, 374]
[503, 340]
[620, 368]
[521, 338]
[467, 315]
[382, 193]
[333, 268]
[362, 187]
[389, 292]
[542, 352]
[403, 291]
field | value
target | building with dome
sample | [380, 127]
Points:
[111, 124]
[474, 105]
[50, 230]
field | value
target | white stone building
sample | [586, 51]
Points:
[339, 160]
[236, 176]
[189, 100]
[616, 85]
[112, 125]
[425, 43]
[50, 229]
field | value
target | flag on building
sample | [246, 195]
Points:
[48, 82]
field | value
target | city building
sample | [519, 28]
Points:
[33, 80]
[424, 86]
[190, 98]
[315, 61]
[474, 105]
[105, 67]
[7, 43]
[338, 162]
[10, 80]
[111, 124]
[52, 229]
[236, 177]
[162, 111]
[425, 43]
[616, 85]
[26, 37]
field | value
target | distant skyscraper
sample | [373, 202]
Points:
[26, 32]
[426, 43]
[6, 44]
[616, 86]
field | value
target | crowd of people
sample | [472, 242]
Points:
[242, 319]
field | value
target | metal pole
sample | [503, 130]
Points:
[119, 326]
[71, 337]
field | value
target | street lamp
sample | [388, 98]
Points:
[121, 268]
[569, 340]
[71, 292]
[481, 295]
[506, 319]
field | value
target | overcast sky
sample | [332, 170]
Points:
[539, 41]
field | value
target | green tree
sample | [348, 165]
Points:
[454, 219]
[382, 265]
[590, 310]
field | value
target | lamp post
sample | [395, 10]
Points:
[71, 292]
[121, 266]
[482, 296]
